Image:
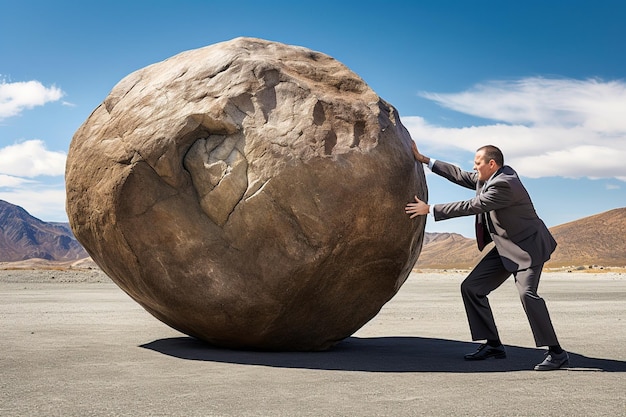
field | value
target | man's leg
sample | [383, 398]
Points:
[488, 275]
[527, 282]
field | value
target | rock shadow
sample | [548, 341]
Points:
[379, 354]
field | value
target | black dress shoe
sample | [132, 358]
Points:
[485, 351]
[553, 361]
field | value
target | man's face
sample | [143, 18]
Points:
[484, 168]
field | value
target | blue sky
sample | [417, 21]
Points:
[543, 80]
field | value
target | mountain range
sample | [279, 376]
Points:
[598, 240]
[23, 236]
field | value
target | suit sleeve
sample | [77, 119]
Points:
[455, 174]
[497, 195]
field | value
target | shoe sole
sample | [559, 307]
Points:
[549, 368]
[496, 356]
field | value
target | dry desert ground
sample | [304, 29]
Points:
[73, 344]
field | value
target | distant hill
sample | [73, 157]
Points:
[448, 251]
[23, 236]
[594, 240]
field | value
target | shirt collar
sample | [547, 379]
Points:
[492, 175]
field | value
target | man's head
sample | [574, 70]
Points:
[488, 159]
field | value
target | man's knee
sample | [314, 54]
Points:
[467, 289]
[527, 294]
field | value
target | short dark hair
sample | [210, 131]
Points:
[492, 152]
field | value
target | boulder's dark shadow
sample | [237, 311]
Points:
[379, 354]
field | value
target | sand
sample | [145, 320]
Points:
[73, 344]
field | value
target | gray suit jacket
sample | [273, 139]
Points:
[520, 236]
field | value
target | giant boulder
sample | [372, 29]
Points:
[248, 193]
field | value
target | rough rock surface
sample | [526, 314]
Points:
[248, 193]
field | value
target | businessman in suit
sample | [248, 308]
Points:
[505, 215]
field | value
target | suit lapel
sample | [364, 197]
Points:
[483, 237]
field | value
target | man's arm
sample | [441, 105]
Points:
[448, 171]
[498, 196]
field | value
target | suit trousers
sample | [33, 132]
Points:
[488, 275]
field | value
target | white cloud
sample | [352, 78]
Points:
[9, 181]
[31, 159]
[18, 96]
[545, 127]
[45, 202]
[544, 102]
[20, 164]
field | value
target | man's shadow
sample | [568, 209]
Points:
[379, 354]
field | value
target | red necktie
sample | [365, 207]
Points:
[479, 225]
[480, 232]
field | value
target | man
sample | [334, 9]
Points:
[505, 215]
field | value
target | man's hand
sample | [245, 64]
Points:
[417, 155]
[419, 208]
